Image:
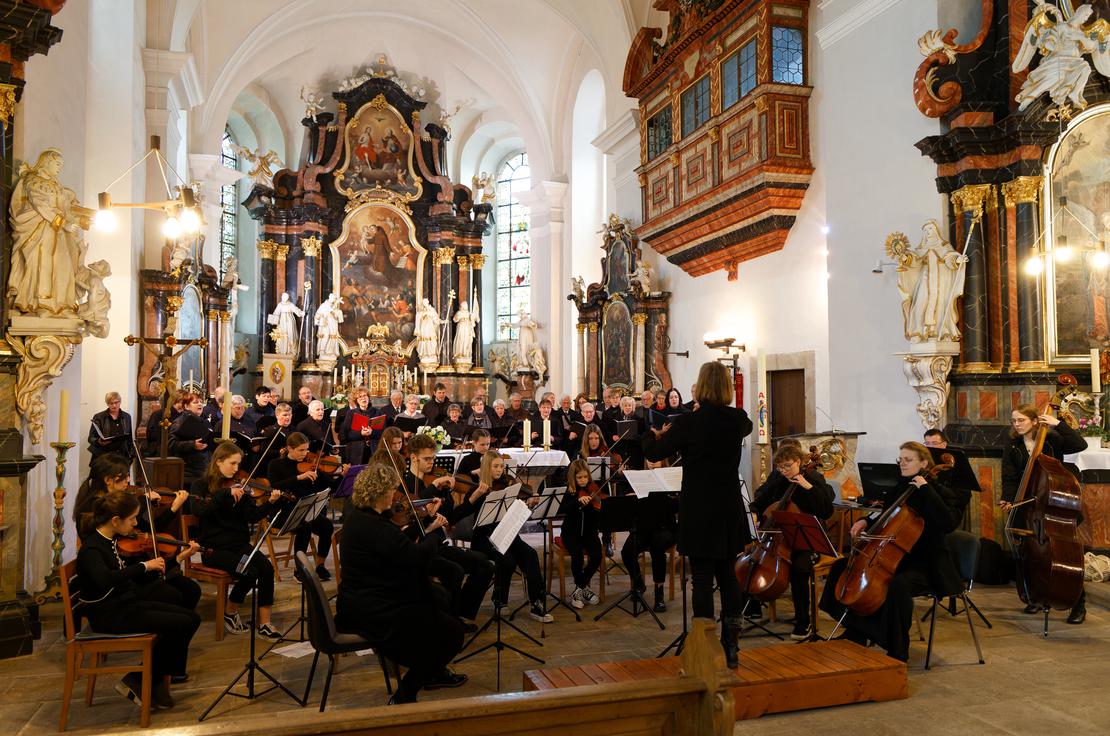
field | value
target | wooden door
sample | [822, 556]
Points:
[788, 401]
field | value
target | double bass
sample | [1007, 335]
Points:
[1043, 526]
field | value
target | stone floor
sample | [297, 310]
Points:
[1028, 685]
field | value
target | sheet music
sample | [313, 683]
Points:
[494, 499]
[671, 477]
[599, 468]
[547, 497]
[659, 480]
[505, 532]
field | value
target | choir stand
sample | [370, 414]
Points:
[252, 664]
[493, 511]
[618, 514]
[547, 510]
[804, 533]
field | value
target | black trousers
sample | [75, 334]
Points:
[889, 627]
[704, 570]
[259, 569]
[657, 541]
[174, 626]
[466, 574]
[425, 640]
[519, 554]
[801, 567]
[581, 539]
[322, 527]
[175, 589]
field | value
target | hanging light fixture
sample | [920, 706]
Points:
[1064, 252]
[180, 206]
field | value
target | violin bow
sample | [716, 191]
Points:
[258, 464]
[149, 509]
[610, 478]
[408, 498]
[323, 447]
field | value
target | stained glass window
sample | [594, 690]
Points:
[659, 132]
[787, 56]
[229, 205]
[695, 105]
[514, 244]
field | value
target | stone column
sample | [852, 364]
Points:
[968, 204]
[312, 299]
[212, 352]
[281, 285]
[582, 385]
[1021, 196]
[639, 320]
[477, 262]
[593, 375]
[266, 250]
[443, 259]
[462, 295]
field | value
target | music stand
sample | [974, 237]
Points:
[804, 533]
[619, 514]
[546, 511]
[962, 475]
[252, 664]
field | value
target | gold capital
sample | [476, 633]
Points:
[311, 247]
[477, 260]
[266, 249]
[7, 103]
[593, 327]
[1022, 190]
[972, 198]
[444, 255]
[280, 252]
[581, 326]
[213, 315]
[640, 318]
[464, 262]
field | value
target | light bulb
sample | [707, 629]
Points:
[1034, 267]
[1100, 259]
[190, 221]
[105, 221]
[824, 229]
[171, 228]
[1063, 255]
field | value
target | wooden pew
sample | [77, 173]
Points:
[697, 701]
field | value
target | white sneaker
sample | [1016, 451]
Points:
[233, 624]
[591, 598]
[578, 598]
[539, 613]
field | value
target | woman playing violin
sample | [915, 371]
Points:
[108, 473]
[1060, 440]
[812, 494]
[285, 475]
[580, 535]
[594, 445]
[111, 590]
[926, 568]
[225, 527]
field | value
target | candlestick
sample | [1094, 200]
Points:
[1096, 374]
[225, 430]
[63, 415]
[190, 378]
[334, 377]
[546, 434]
[527, 434]
[53, 590]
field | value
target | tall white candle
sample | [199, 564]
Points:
[1096, 377]
[225, 429]
[334, 377]
[546, 433]
[63, 415]
[527, 433]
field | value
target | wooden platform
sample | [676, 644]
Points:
[776, 679]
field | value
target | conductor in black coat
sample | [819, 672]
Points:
[386, 594]
[712, 531]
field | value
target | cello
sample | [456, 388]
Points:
[864, 584]
[764, 572]
[1043, 526]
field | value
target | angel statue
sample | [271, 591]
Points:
[262, 172]
[466, 321]
[642, 277]
[1062, 42]
[484, 183]
[427, 333]
[578, 289]
[498, 362]
[314, 104]
[285, 334]
[328, 317]
[94, 310]
[930, 280]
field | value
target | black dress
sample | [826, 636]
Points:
[119, 427]
[1059, 441]
[282, 474]
[184, 433]
[357, 446]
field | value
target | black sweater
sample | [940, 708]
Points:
[1059, 441]
[817, 500]
[106, 582]
[226, 524]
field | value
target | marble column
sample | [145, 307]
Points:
[266, 250]
[594, 362]
[227, 337]
[639, 320]
[212, 352]
[463, 295]
[312, 299]
[582, 387]
[477, 262]
[281, 282]
[444, 261]
[968, 203]
[1022, 194]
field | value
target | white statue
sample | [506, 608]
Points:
[930, 280]
[537, 361]
[578, 289]
[94, 310]
[466, 323]
[262, 163]
[427, 333]
[285, 335]
[525, 340]
[180, 251]
[314, 104]
[1062, 42]
[47, 248]
[642, 277]
[328, 317]
[484, 184]
[498, 362]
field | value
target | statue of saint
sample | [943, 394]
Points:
[427, 333]
[47, 248]
[327, 319]
[286, 332]
[525, 340]
[930, 280]
[466, 322]
[94, 310]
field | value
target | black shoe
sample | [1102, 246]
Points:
[637, 583]
[1031, 609]
[468, 627]
[322, 573]
[131, 687]
[660, 606]
[160, 694]
[400, 697]
[446, 679]
[298, 577]
[730, 628]
[179, 679]
[1079, 611]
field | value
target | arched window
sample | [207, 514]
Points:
[229, 204]
[514, 244]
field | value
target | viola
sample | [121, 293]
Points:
[327, 464]
[141, 543]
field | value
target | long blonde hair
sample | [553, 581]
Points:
[485, 472]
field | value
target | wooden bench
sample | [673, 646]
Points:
[772, 679]
[696, 701]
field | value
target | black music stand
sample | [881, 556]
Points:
[252, 664]
[493, 510]
[804, 533]
[546, 511]
[619, 514]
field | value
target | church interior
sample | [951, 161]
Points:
[516, 241]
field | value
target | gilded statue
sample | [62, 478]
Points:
[262, 165]
[1063, 42]
[930, 280]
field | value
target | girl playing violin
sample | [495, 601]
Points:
[579, 535]
[284, 475]
[593, 445]
[812, 494]
[926, 568]
[391, 449]
[471, 463]
[114, 603]
[225, 528]
[1060, 440]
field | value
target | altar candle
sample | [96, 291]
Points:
[1096, 377]
[190, 378]
[334, 378]
[225, 431]
[527, 432]
[547, 433]
[63, 413]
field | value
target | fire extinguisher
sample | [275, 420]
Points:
[739, 389]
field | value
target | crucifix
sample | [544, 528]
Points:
[167, 349]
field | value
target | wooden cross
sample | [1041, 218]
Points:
[167, 349]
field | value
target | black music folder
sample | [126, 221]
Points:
[409, 424]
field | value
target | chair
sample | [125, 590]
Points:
[964, 548]
[282, 559]
[323, 635]
[204, 574]
[85, 641]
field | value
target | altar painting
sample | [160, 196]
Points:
[378, 262]
[617, 334]
[378, 154]
[1077, 216]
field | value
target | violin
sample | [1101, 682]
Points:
[141, 543]
[258, 489]
[165, 495]
[595, 493]
[327, 464]
[403, 509]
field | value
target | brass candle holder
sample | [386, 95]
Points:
[53, 590]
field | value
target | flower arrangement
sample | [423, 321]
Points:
[439, 434]
[1090, 428]
[337, 401]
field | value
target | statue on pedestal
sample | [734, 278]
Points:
[930, 280]
[642, 277]
[285, 334]
[427, 334]
[328, 317]
[466, 323]
[94, 310]
[526, 348]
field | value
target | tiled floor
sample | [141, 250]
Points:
[1029, 685]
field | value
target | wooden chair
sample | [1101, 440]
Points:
[283, 559]
[82, 642]
[204, 574]
[561, 556]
